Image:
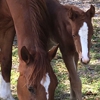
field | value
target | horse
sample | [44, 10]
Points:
[28, 19]
[72, 29]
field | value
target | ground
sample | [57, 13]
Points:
[90, 74]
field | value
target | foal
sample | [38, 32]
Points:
[72, 29]
[28, 18]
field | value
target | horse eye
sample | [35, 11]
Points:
[73, 35]
[32, 90]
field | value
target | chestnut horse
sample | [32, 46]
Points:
[72, 29]
[28, 18]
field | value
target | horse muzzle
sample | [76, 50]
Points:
[84, 60]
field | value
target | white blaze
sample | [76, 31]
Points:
[46, 82]
[83, 33]
[5, 92]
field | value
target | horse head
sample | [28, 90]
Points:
[82, 31]
[37, 80]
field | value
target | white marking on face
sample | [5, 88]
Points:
[5, 92]
[46, 82]
[83, 33]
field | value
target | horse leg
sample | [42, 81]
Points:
[75, 91]
[75, 81]
[6, 62]
[75, 62]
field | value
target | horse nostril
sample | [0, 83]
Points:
[31, 89]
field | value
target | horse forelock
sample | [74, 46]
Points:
[39, 68]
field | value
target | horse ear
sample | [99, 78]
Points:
[52, 52]
[73, 14]
[25, 55]
[91, 11]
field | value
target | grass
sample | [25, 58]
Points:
[90, 74]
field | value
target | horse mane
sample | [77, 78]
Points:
[40, 28]
[39, 15]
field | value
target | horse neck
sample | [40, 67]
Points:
[34, 26]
